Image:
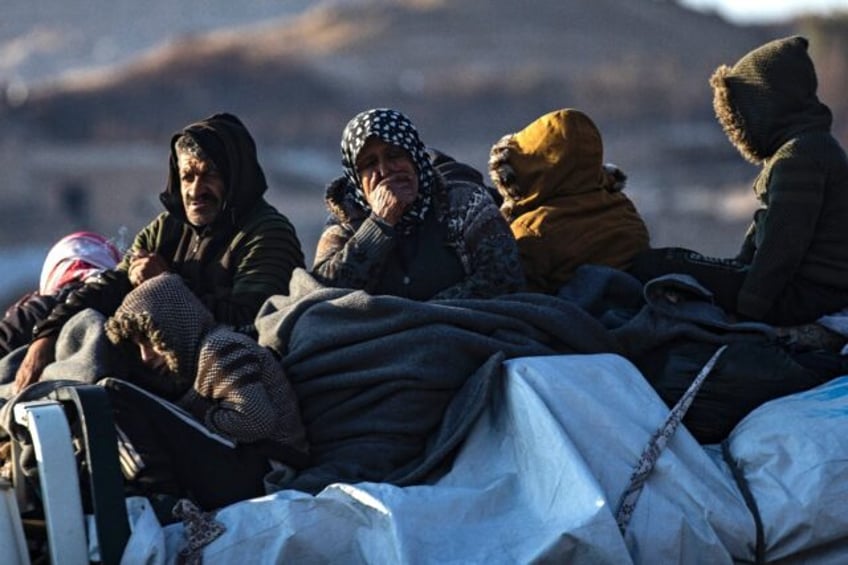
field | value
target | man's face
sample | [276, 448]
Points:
[202, 189]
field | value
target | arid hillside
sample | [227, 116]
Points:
[468, 69]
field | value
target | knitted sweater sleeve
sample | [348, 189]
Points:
[795, 191]
[487, 248]
[228, 394]
[353, 257]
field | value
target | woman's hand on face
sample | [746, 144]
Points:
[389, 179]
[392, 196]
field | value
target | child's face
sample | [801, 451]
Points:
[152, 357]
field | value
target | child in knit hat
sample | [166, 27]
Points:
[226, 381]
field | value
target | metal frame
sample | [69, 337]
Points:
[58, 479]
[14, 547]
[64, 508]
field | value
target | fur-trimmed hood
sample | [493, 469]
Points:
[558, 154]
[769, 96]
[164, 311]
[341, 202]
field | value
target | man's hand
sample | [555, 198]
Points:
[145, 266]
[392, 196]
[40, 353]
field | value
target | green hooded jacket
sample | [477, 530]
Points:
[233, 265]
[797, 246]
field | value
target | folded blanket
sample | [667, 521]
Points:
[387, 385]
[83, 354]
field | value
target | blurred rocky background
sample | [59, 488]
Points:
[90, 93]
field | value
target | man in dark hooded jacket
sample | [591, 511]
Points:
[793, 266]
[231, 247]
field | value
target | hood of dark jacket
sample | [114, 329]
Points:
[558, 154]
[164, 311]
[225, 139]
[768, 97]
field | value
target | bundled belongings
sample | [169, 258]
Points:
[542, 477]
[671, 327]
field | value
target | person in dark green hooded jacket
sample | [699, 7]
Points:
[231, 247]
[793, 265]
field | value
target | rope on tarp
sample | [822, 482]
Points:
[658, 442]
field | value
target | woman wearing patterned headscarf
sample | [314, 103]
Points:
[398, 227]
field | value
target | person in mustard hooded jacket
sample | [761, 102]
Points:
[565, 207]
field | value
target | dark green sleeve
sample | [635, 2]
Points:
[785, 229]
[353, 258]
[266, 253]
[148, 239]
[749, 246]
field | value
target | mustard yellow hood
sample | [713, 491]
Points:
[558, 154]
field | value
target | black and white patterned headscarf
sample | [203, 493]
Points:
[396, 129]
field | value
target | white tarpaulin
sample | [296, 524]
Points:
[539, 478]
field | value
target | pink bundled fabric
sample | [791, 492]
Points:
[76, 257]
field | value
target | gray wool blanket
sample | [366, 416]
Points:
[388, 387]
[83, 354]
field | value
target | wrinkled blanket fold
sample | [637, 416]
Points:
[376, 375]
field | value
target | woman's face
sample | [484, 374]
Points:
[381, 162]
